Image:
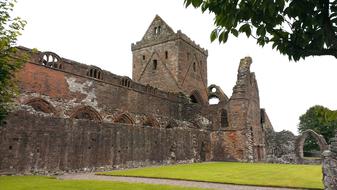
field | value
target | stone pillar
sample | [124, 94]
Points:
[330, 166]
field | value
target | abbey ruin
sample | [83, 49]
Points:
[71, 116]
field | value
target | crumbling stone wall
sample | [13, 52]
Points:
[330, 166]
[280, 146]
[244, 112]
[48, 144]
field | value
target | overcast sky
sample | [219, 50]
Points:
[100, 33]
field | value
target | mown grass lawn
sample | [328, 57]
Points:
[48, 183]
[279, 175]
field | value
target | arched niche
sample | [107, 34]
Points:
[124, 118]
[86, 112]
[41, 105]
[301, 139]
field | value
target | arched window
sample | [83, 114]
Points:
[50, 59]
[95, 72]
[157, 30]
[87, 113]
[41, 105]
[194, 67]
[125, 81]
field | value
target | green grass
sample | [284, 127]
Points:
[48, 183]
[279, 175]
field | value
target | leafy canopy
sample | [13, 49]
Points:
[320, 119]
[297, 28]
[9, 31]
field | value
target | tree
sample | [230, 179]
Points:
[320, 119]
[297, 28]
[10, 29]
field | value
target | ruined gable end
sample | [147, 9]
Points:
[157, 29]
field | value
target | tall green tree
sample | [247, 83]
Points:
[321, 120]
[297, 28]
[10, 29]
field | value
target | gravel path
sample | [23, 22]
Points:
[92, 176]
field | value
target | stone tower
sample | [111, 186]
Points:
[170, 61]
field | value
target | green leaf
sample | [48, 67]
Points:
[246, 29]
[214, 34]
[234, 32]
[223, 37]
[196, 3]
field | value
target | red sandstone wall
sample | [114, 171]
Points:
[66, 92]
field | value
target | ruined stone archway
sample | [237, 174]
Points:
[301, 139]
[86, 112]
[41, 105]
[124, 118]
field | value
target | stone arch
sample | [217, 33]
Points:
[151, 121]
[39, 104]
[196, 97]
[124, 118]
[300, 142]
[214, 91]
[86, 112]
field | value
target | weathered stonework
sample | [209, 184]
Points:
[330, 166]
[71, 116]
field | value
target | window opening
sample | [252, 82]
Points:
[154, 64]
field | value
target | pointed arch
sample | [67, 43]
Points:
[151, 121]
[196, 97]
[124, 118]
[39, 104]
[86, 112]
